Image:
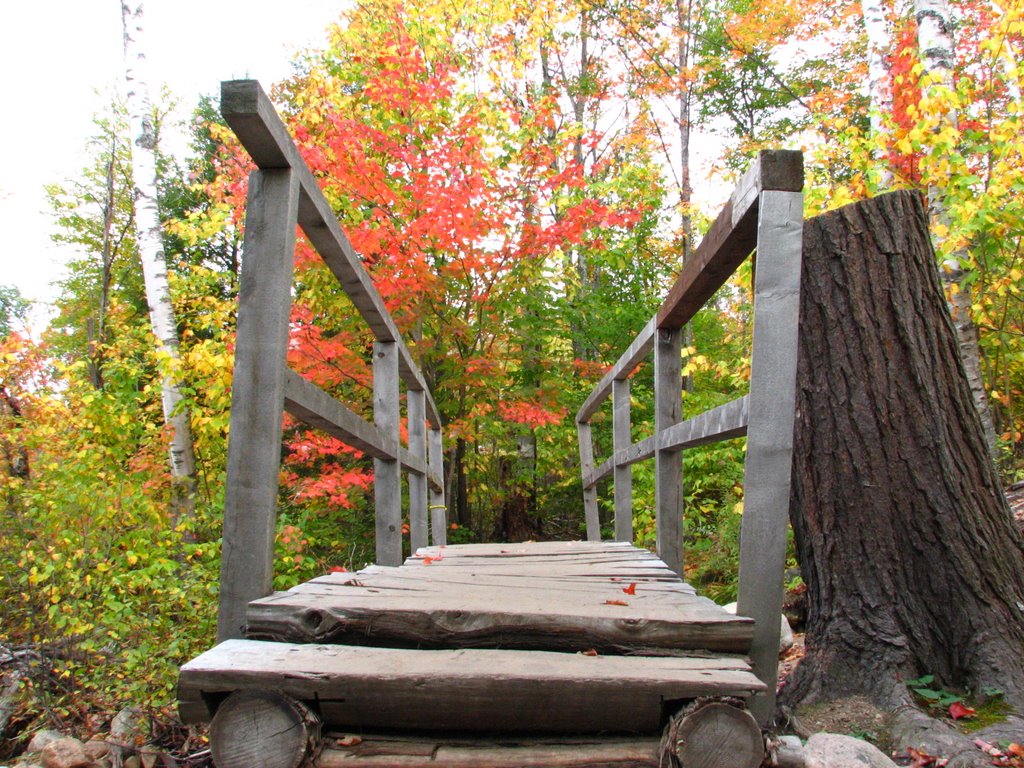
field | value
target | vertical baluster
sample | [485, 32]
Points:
[438, 510]
[417, 414]
[387, 484]
[668, 464]
[257, 397]
[589, 492]
[621, 440]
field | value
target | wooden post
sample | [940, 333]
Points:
[621, 440]
[668, 464]
[769, 459]
[438, 509]
[257, 397]
[387, 475]
[590, 511]
[417, 417]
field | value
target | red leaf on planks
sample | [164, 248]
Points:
[349, 741]
[631, 589]
[428, 560]
[958, 710]
[589, 652]
[337, 569]
[615, 602]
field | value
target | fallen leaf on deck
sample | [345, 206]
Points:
[589, 652]
[428, 560]
[615, 602]
[349, 741]
[631, 589]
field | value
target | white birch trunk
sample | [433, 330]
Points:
[935, 45]
[876, 25]
[151, 254]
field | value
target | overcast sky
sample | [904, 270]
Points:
[59, 62]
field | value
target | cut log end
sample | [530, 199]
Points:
[266, 729]
[714, 734]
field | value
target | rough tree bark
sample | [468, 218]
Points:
[912, 562]
[151, 254]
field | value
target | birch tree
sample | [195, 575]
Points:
[876, 25]
[935, 45]
[154, 264]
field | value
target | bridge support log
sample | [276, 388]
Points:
[265, 729]
[713, 734]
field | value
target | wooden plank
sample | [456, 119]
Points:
[770, 432]
[668, 463]
[252, 117]
[465, 690]
[622, 438]
[387, 477]
[372, 751]
[731, 238]
[416, 415]
[306, 401]
[722, 423]
[257, 397]
[438, 508]
[626, 364]
[590, 510]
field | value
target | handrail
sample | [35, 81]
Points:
[282, 194]
[763, 215]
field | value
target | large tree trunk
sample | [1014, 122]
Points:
[911, 559]
[154, 265]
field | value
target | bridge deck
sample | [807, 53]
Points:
[550, 637]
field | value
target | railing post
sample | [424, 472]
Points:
[257, 397]
[770, 432]
[590, 511]
[416, 411]
[387, 482]
[622, 438]
[438, 509]
[668, 464]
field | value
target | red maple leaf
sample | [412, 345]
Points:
[631, 589]
[615, 602]
[959, 710]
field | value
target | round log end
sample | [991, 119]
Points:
[263, 728]
[717, 735]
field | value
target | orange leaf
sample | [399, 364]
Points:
[631, 589]
[428, 560]
[589, 652]
[1016, 750]
[615, 602]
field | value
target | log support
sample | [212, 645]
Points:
[265, 729]
[713, 733]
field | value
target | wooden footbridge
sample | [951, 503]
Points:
[581, 653]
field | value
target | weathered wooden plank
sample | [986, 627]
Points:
[257, 397]
[770, 432]
[626, 364]
[731, 238]
[668, 463]
[360, 687]
[416, 416]
[430, 752]
[590, 510]
[438, 508]
[252, 117]
[387, 477]
[722, 423]
[622, 438]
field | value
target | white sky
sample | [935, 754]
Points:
[61, 59]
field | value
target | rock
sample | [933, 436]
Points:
[786, 638]
[1012, 731]
[831, 750]
[133, 762]
[130, 727]
[787, 752]
[96, 748]
[42, 738]
[912, 728]
[64, 753]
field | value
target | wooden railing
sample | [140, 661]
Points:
[764, 215]
[283, 193]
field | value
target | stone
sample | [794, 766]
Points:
[786, 638]
[96, 748]
[832, 750]
[130, 727]
[912, 728]
[42, 738]
[787, 752]
[64, 753]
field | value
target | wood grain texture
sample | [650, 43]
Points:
[387, 476]
[621, 439]
[668, 463]
[465, 690]
[567, 596]
[535, 752]
[263, 728]
[718, 735]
